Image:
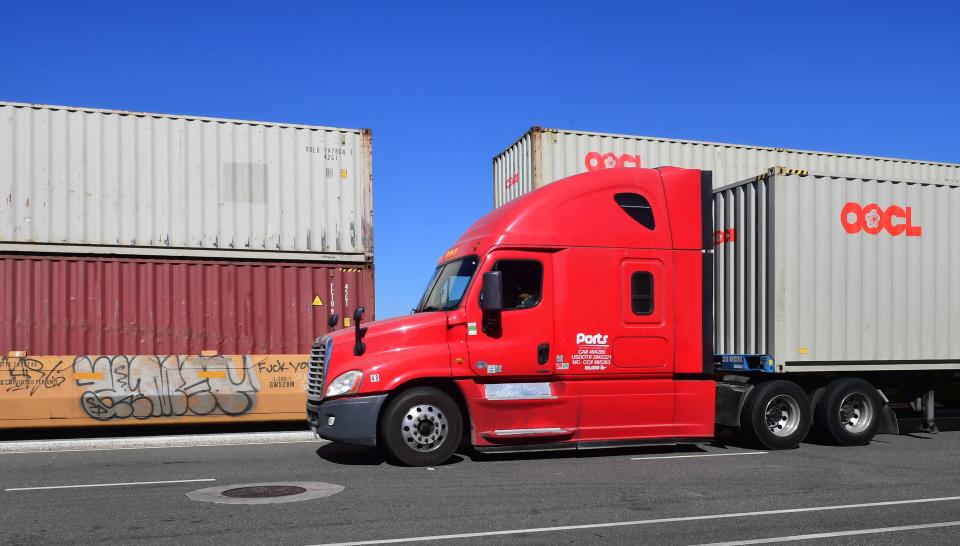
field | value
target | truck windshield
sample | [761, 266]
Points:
[448, 284]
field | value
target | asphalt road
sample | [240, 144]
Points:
[908, 485]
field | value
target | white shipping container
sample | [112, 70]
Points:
[542, 156]
[82, 180]
[821, 271]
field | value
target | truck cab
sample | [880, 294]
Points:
[577, 316]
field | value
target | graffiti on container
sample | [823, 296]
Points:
[285, 374]
[21, 373]
[141, 387]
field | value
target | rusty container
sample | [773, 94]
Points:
[96, 340]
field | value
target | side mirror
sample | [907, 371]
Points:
[359, 347]
[491, 293]
[333, 320]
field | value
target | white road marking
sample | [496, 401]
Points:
[159, 442]
[647, 521]
[700, 455]
[855, 532]
[107, 484]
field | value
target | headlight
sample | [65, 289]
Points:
[345, 383]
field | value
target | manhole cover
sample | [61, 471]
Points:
[265, 493]
[262, 491]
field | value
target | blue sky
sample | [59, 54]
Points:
[447, 85]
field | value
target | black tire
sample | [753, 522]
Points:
[422, 426]
[849, 412]
[784, 430]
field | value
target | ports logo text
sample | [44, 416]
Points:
[594, 339]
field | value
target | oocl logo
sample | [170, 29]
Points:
[594, 161]
[724, 236]
[872, 219]
[513, 179]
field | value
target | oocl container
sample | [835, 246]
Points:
[822, 270]
[542, 156]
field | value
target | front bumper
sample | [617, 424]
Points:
[347, 420]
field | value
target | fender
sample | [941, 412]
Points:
[399, 350]
[405, 366]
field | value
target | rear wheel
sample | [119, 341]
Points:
[849, 411]
[421, 427]
[776, 415]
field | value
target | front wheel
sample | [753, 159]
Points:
[776, 416]
[421, 427]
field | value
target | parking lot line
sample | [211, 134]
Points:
[107, 484]
[699, 455]
[814, 536]
[646, 521]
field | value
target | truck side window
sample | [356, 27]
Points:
[641, 293]
[522, 283]
[637, 207]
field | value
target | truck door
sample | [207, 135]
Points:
[516, 342]
[615, 338]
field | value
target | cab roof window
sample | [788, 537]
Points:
[637, 207]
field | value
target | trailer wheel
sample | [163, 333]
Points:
[849, 411]
[421, 427]
[776, 416]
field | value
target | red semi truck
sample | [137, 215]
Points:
[578, 316]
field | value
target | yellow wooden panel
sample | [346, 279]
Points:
[85, 390]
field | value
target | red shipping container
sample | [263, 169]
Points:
[56, 305]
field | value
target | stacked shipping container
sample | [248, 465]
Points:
[542, 156]
[148, 235]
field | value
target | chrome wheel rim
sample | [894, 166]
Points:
[424, 428]
[782, 415]
[856, 412]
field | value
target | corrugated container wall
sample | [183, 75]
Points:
[112, 182]
[824, 268]
[542, 156]
[78, 305]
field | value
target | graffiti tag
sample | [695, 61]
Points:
[27, 374]
[141, 387]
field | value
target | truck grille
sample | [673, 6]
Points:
[318, 361]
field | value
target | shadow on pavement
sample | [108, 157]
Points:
[588, 453]
[362, 456]
[127, 431]
[366, 456]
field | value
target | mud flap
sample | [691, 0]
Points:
[888, 422]
[729, 403]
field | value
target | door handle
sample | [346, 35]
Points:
[543, 353]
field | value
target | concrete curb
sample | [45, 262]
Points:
[159, 442]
